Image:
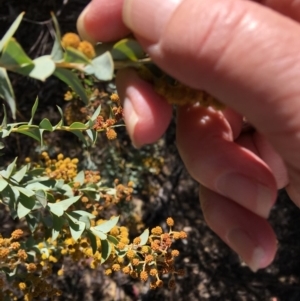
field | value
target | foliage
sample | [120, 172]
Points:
[61, 209]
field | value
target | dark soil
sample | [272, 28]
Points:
[213, 271]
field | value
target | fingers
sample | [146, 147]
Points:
[222, 53]
[101, 21]
[147, 115]
[261, 147]
[289, 8]
[246, 233]
[205, 143]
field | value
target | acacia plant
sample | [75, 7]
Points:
[59, 209]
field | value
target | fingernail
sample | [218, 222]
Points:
[250, 253]
[247, 192]
[81, 26]
[131, 120]
[148, 18]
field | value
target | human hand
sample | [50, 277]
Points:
[245, 54]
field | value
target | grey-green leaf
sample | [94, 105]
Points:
[44, 66]
[60, 207]
[41, 196]
[144, 237]
[58, 223]
[102, 67]
[99, 234]
[19, 175]
[96, 113]
[108, 225]
[76, 227]
[80, 177]
[3, 184]
[10, 168]
[57, 52]
[25, 205]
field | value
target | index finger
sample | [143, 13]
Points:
[101, 21]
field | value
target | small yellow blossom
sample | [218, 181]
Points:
[70, 40]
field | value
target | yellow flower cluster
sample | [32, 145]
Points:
[177, 93]
[149, 261]
[11, 253]
[73, 40]
[154, 164]
[61, 167]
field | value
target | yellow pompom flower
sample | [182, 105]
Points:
[70, 40]
[87, 49]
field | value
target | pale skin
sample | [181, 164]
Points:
[245, 53]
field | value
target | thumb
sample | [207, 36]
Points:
[235, 50]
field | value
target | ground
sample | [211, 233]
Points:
[213, 271]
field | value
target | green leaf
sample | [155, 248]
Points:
[3, 184]
[127, 49]
[61, 122]
[45, 124]
[76, 227]
[6, 92]
[79, 134]
[80, 177]
[93, 241]
[102, 67]
[58, 223]
[32, 132]
[25, 205]
[99, 234]
[43, 67]
[108, 225]
[33, 110]
[144, 237]
[19, 175]
[105, 250]
[41, 196]
[72, 55]
[56, 26]
[59, 208]
[72, 80]
[77, 126]
[112, 239]
[36, 172]
[33, 220]
[11, 31]
[15, 59]
[4, 121]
